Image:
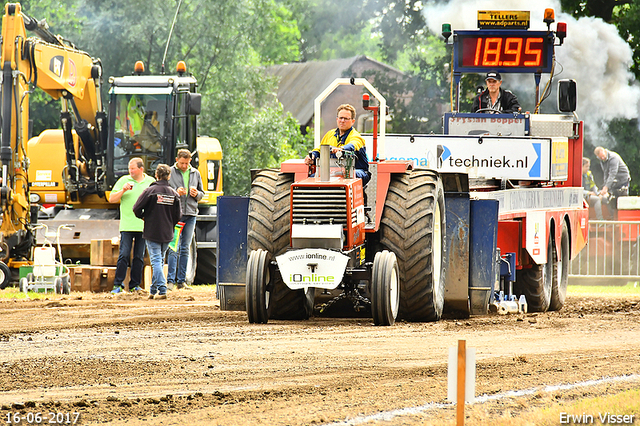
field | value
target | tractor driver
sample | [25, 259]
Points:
[345, 138]
[495, 99]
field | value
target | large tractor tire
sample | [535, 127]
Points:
[560, 272]
[385, 288]
[413, 227]
[536, 282]
[268, 229]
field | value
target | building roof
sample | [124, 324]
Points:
[301, 82]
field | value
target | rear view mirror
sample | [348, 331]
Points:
[567, 95]
[194, 103]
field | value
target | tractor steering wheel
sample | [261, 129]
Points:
[489, 110]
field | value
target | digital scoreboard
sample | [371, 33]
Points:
[513, 51]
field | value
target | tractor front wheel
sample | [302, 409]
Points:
[268, 229]
[257, 291]
[385, 288]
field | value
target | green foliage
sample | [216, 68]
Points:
[280, 34]
[268, 139]
[604, 9]
[627, 19]
[333, 29]
[47, 114]
[62, 20]
[401, 24]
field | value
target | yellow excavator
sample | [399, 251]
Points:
[63, 176]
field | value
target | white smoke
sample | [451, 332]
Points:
[593, 54]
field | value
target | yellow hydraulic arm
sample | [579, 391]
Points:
[65, 73]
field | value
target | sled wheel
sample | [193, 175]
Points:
[257, 292]
[385, 288]
[57, 285]
[24, 285]
[66, 286]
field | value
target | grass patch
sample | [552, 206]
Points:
[15, 293]
[524, 412]
[631, 288]
[623, 403]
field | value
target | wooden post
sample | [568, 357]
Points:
[462, 368]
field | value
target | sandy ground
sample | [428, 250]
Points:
[125, 359]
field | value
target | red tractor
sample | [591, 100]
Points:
[315, 233]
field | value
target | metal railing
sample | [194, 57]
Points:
[612, 252]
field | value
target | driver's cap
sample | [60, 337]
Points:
[493, 75]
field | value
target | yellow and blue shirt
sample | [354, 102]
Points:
[350, 141]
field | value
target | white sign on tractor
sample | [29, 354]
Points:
[480, 157]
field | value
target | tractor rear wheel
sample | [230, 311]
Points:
[536, 282]
[413, 227]
[257, 287]
[207, 268]
[560, 272]
[268, 229]
[385, 288]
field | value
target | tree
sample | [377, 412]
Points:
[332, 29]
[600, 8]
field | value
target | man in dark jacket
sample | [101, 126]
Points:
[159, 206]
[495, 98]
[615, 172]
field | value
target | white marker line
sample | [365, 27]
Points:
[389, 415]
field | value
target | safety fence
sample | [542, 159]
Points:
[612, 253]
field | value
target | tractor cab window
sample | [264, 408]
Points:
[139, 130]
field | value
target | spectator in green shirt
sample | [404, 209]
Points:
[126, 191]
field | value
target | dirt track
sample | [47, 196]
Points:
[128, 360]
